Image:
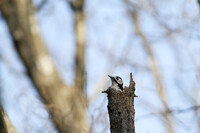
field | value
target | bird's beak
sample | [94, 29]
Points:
[110, 76]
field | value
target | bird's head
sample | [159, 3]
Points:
[116, 80]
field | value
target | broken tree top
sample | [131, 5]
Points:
[121, 108]
[130, 90]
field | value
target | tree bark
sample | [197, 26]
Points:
[121, 108]
[65, 104]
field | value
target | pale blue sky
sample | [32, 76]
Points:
[111, 39]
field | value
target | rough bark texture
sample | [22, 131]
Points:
[2, 1]
[121, 109]
[65, 104]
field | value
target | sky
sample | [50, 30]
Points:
[111, 43]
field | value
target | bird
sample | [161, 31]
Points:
[117, 82]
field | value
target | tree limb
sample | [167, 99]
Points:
[65, 104]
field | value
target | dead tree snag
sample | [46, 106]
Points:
[121, 108]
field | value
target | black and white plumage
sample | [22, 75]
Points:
[117, 82]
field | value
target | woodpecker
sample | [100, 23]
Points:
[117, 82]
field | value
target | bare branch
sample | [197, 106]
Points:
[63, 100]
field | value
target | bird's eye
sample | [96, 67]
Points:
[118, 78]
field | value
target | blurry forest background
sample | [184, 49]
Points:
[55, 56]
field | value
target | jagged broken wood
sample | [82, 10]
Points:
[121, 108]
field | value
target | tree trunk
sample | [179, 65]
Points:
[65, 104]
[121, 108]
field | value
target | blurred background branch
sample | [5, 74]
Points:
[61, 100]
[55, 57]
